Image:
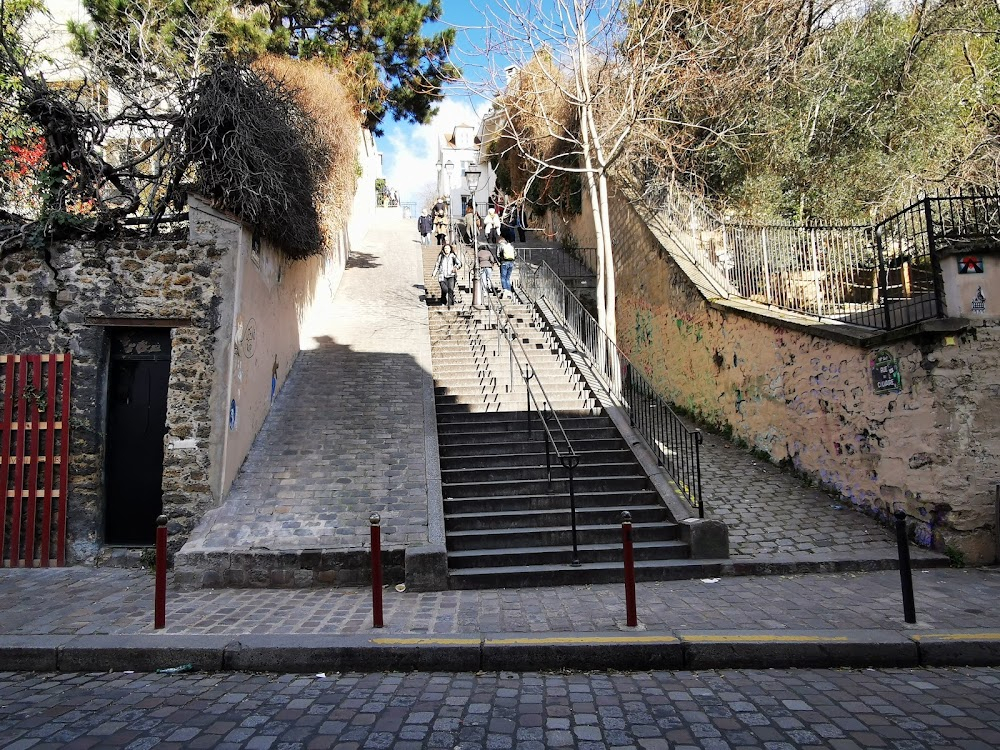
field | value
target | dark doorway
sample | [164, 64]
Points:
[137, 415]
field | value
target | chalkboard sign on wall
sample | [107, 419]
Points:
[886, 377]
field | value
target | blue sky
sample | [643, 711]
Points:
[410, 151]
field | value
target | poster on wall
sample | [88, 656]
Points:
[886, 377]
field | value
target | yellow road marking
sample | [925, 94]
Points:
[586, 639]
[957, 637]
[764, 638]
[426, 641]
[525, 641]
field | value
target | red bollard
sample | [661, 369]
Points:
[160, 587]
[375, 520]
[631, 619]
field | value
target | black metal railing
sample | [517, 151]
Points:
[568, 263]
[556, 439]
[675, 445]
[884, 275]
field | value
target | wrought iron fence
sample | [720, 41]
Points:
[883, 275]
[575, 263]
[675, 445]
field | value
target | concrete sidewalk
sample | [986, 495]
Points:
[79, 619]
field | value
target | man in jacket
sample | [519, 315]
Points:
[424, 226]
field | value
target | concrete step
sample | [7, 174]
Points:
[587, 572]
[579, 420]
[470, 540]
[558, 501]
[509, 402]
[562, 554]
[455, 393]
[525, 458]
[522, 473]
[515, 434]
[581, 486]
[460, 450]
[532, 519]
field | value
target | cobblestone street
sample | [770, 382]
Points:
[927, 709]
[79, 601]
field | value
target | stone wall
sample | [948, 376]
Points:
[57, 303]
[809, 401]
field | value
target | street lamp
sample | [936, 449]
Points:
[472, 179]
[449, 168]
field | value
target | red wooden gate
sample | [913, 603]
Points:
[34, 458]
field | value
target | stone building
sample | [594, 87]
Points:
[178, 347]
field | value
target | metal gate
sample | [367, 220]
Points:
[34, 458]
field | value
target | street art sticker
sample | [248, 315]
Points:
[274, 377]
[970, 264]
[232, 414]
[250, 338]
[886, 377]
[978, 305]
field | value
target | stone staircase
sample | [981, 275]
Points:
[507, 519]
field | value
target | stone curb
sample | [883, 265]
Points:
[519, 652]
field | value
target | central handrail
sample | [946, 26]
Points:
[568, 457]
[675, 445]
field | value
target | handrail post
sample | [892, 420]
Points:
[570, 464]
[631, 619]
[375, 520]
[548, 461]
[528, 374]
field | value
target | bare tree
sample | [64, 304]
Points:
[579, 84]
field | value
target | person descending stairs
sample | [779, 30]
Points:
[523, 442]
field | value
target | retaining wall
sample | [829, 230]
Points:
[811, 402]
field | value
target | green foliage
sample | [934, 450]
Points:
[877, 108]
[956, 558]
[16, 128]
[392, 67]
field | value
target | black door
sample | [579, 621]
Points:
[137, 414]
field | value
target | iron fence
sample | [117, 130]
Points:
[884, 275]
[675, 445]
[576, 263]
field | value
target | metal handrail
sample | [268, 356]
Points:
[675, 445]
[569, 459]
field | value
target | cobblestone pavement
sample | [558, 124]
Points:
[920, 709]
[346, 435]
[772, 514]
[77, 601]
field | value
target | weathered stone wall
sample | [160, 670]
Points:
[57, 304]
[932, 449]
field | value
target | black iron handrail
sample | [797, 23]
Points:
[568, 458]
[675, 445]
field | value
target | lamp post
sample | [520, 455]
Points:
[472, 179]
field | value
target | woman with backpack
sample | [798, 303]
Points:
[507, 255]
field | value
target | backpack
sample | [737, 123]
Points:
[507, 252]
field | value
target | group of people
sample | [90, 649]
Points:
[435, 223]
[497, 250]
[448, 263]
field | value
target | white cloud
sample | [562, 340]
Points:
[410, 151]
